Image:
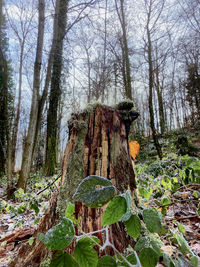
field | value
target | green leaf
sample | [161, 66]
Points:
[142, 242]
[69, 210]
[114, 211]
[181, 228]
[167, 260]
[106, 261]
[94, 197]
[84, 253]
[195, 260]
[156, 247]
[132, 259]
[128, 213]
[165, 201]
[152, 220]
[183, 245]
[133, 226]
[148, 257]
[33, 204]
[61, 259]
[31, 240]
[59, 236]
[145, 192]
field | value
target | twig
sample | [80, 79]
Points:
[49, 185]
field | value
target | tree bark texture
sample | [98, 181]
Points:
[55, 93]
[97, 144]
[28, 148]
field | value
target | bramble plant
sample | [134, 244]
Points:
[144, 226]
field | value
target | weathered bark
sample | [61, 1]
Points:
[55, 93]
[28, 148]
[98, 144]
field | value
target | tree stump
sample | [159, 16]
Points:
[97, 145]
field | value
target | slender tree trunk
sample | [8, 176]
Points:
[29, 142]
[125, 51]
[55, 93]
[3, 99]
[160, 102]
[151, 83]
[97, 144]
[17, 117]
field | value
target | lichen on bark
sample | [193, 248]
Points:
[75, 169]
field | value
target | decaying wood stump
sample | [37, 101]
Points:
[97, 145]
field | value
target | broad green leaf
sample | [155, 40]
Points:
[61, 259]
[181, 228]
[152, 220]
[59, 236]
[114, 211]
[88, 193]
[133, 226]
[106, 261]
[84, 253]
[141, 243]
[183, 245]
[195, 260]
[148, 257]
[128, 213]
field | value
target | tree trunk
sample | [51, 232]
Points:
[126, 71]
[29, 142]
[55, 93]
[17, 117]
[151, 82]
[97, 144]
[3, 98]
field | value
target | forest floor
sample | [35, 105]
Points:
[171, 186]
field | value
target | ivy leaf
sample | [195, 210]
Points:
[148, 257]
[63, 260]
[152, 220]
[133, 226]
[106, 261]
[59, 236]
[84, 253]
[141, 243]
[94, 197]
[114, 211]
